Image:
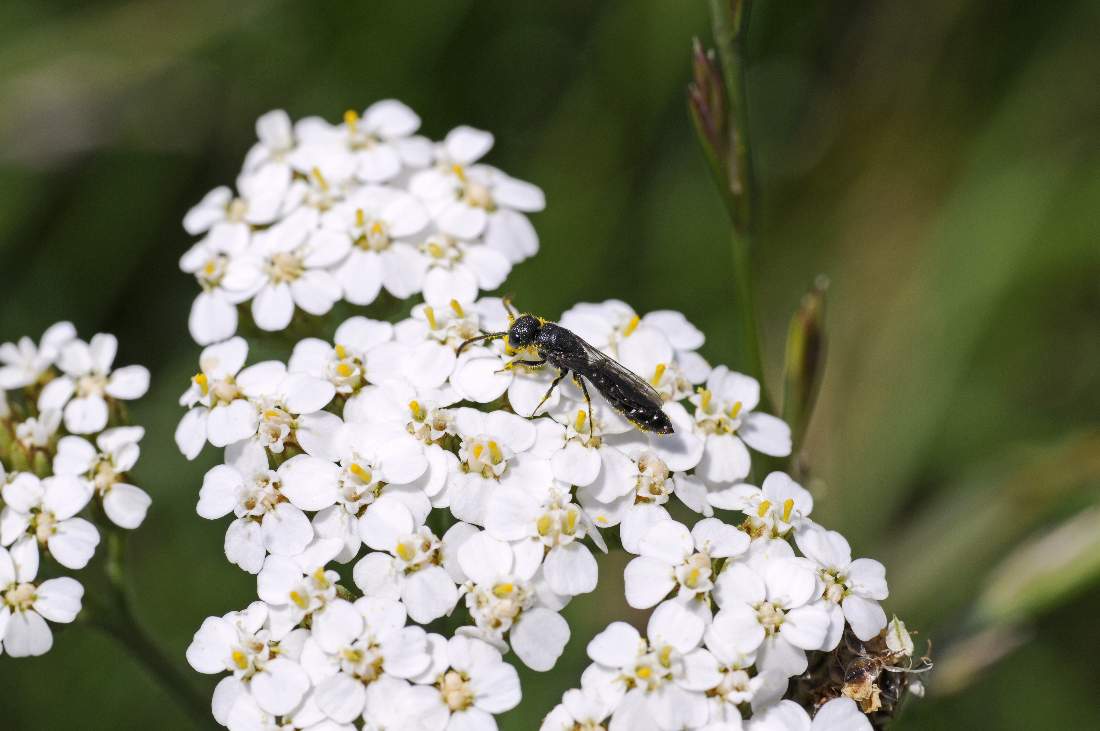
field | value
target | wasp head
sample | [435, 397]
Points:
[523, 331]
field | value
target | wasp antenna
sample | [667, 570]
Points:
[479, 338]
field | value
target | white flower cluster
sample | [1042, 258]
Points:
[325, 212]
[58, 459]
[737, 611]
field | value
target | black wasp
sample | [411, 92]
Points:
[556, 346]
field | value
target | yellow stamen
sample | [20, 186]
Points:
[631, 326]
[239, 659]
[435, 250]
[343, 369]
[459, 172]
[765, 506]
[788, 506]
[351, 119]
[376, 227]
[692, 579]
[543, 525]
[341, 352]
[298, 599]
[644, 672]
[477, 450]
[202, 382]
[210, 268]
[320, 579]
[457, 308]
[271, 414]
[503, 590]
[362, 474]
[735, 409]
[405, 551]
[495, 453]
[658, 373]
[578, 423]
[417, 410]
[665, 655]
[429, 313]
[570, 526]
[704, 398]
[360, 218]
[316, 172]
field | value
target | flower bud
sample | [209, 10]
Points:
[805, 359]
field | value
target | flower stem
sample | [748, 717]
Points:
[113, 614]
[730, 19]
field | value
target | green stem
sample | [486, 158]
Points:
[731, 23]
[114, 616]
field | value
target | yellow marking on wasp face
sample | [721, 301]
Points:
[788, 506]
[578, 423]
[658, 373]
[735, 409]
[405, 551]
[495, 453]
[500, 591]
[360, 218]
[459, 171]
[765, 506]
[631, 326]
[343, 369]
[341, 352]
[457, 308]
[316, 173]
[202, 382]
[417, 410]
[351, 119]
[430, 314]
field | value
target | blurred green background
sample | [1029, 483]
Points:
[939, 161]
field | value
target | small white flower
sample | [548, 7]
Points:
[470, 200]
[298, 586]
[773, 609]
[285, 267]
[472, 684]
[674, 558]
[353, 646]
[88, 381]
[46, 509]
[407, 563]
[275, 135]
[458, 269]
[503, 597]
[853, 589]
[771, 510]
[578, 709]
[105, 468]
[344, 362]
[724, 414]
[25, 606]
[23, 363]
[897, 638]
[839, 714]
[218, 409]
[213, 314]
[240, 643]
[36, 431]
[288, 408]
[545, 517]
[659, 681]
[267, 522]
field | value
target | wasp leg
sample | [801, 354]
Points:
[519, 361]
[561, 374]
[588, 401]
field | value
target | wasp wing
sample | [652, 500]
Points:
[622, 387]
